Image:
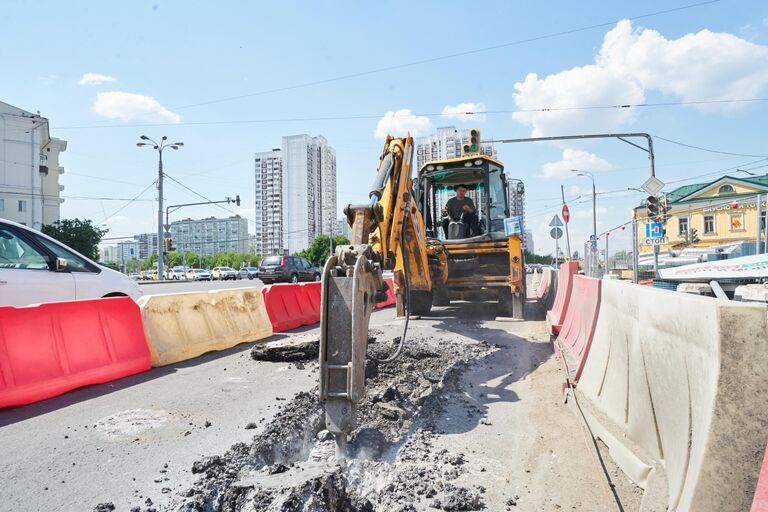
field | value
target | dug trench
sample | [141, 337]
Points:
[392, 465]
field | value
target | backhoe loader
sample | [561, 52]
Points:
[436, 257]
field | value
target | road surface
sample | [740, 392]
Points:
[488, 428]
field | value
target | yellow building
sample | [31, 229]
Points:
[718, 212]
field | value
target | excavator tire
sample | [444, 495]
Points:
[440, 298]
[421, 302]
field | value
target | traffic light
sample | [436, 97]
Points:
[664, 208]
[474, 142]
[237, 200]
[169, 245]
[652, 204]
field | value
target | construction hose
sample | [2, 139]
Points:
[406, 268]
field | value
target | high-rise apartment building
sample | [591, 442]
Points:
[147, 244]
[295, 194]
[444, 144]
[269, 202]
[211, 236]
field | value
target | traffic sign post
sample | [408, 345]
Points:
[566, 217]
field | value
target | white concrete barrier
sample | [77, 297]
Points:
[180, 326]
[673, 385]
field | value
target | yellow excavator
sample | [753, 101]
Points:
[437, 253]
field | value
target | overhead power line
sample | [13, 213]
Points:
[435, 114]
[708, 150]
[455, 55]
[128, 203]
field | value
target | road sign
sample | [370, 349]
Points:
[556, 233]
[656, 241]
[593, 242]
[653, 185]
[167, 227]
[654, 230]
[555, 222]
[566, 213]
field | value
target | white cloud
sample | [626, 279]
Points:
[465, 112]
[96, 79]
[130, 107]
[401, 122]
[574, 159]
[701, 66]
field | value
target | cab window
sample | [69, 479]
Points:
[16, 253]
[497, 199]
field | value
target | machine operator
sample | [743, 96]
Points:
[461, 207]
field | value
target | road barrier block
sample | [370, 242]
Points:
[292, 305]
[760, 501]
[390, 295]
[181, 326]
[556, 315]
[674, 387]
[546, 280]
[578, 327]
[48, 349]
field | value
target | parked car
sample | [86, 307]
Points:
[35, 268]
[287, 269]
[178, 273]
[135, 276]
[223, 273]
[248, 273]
[198, 274]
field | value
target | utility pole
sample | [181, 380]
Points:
[593, 249]
[159, 147]
[567, 234]
[758, 239]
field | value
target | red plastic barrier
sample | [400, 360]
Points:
[48, 349]
[760, 502]
[556, 315]
[390, 295]
[292, 305]
[546, 279]
[580, 320]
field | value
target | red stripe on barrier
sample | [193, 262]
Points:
[760, 503]
[292, 305]
[546, 279]
[580, 320]
[556, 315]
[49, 349]
[390, 295]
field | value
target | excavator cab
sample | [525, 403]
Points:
[484, 260]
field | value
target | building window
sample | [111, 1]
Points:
[737, 221]
[725, 189]
[682, 226]
[709, 224]
[22, 205]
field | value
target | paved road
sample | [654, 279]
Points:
[150, 287]
[137, 438]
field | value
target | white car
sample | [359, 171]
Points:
[198, 274]
[224, 273]
[35, 268]
[178, 273]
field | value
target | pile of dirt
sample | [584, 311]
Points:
[290, 466]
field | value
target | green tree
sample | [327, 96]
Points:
[317, 252]
[80, 235]
[529, 258]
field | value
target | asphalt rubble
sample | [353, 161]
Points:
[391, 465]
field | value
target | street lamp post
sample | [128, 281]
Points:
[594, 209]
[159, 147]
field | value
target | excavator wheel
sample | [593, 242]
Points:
[440, 297]
[421, 302]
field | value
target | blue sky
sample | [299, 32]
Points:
[171, 64]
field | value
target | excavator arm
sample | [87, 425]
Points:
[387, 233]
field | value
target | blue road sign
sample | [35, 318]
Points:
[654, 230]
[593, 242]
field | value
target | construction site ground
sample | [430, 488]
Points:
[472, 417]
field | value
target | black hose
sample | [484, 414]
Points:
[406, 265]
